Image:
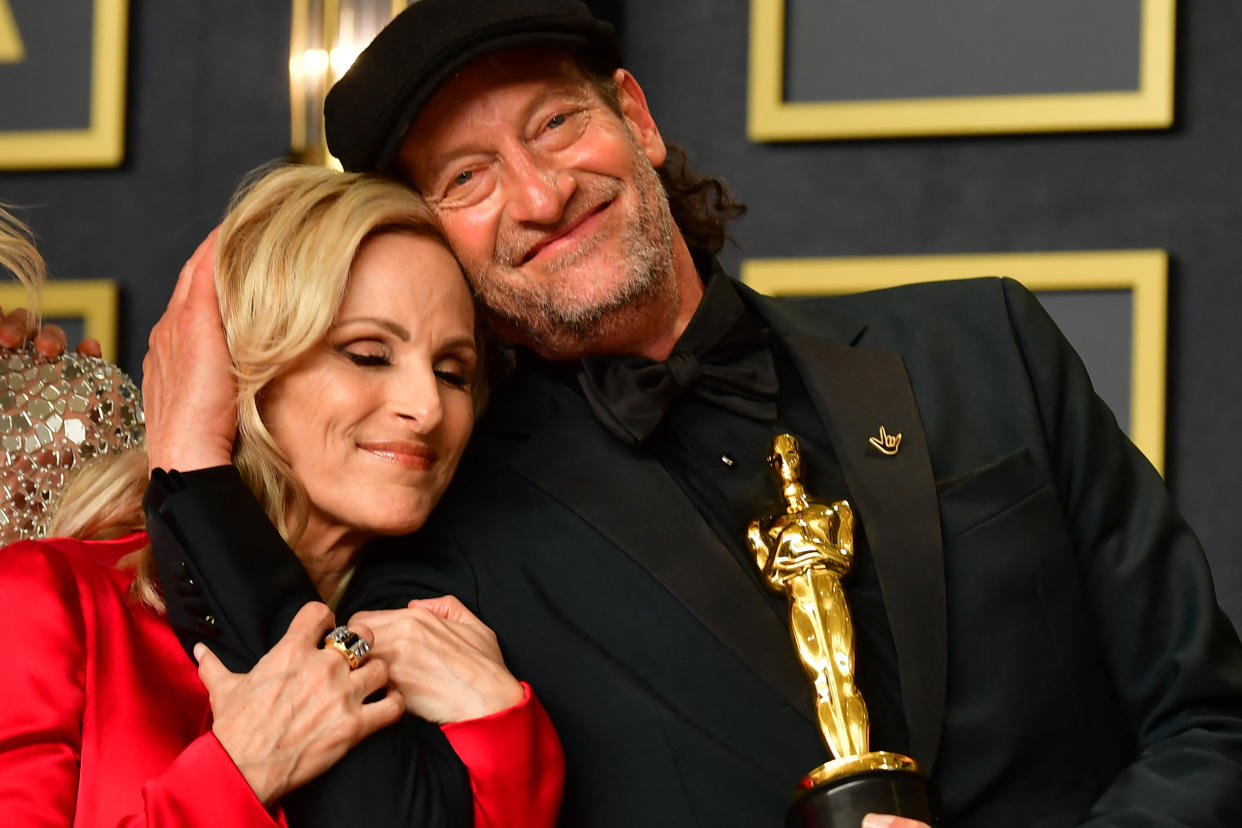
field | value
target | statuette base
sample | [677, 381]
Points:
[838, 794]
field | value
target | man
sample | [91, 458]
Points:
[1035, 624]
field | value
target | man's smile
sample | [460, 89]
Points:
[569, 236]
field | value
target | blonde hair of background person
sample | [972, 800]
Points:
[35, 473]
[104, 495]
[105, 491]
[279, 288]
[20, 256]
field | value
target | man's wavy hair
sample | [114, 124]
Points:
[702, 205]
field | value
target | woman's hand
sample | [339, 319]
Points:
[299, 710]
[445, 662]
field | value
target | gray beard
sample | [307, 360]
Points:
[554, 326]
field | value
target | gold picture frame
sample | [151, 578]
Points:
[102, 143]
[94, 301]
[1143, 273]
[771, 118]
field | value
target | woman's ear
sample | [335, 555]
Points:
[637, 116]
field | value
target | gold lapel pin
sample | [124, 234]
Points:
[886, 443]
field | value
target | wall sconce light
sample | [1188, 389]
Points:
[326, 38]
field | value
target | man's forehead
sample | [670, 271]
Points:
[515, 82]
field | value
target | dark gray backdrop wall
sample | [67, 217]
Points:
[1180, 190]
[208, 101]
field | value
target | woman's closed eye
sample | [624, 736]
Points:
[455, 367]
[456, 379]
[366, 354]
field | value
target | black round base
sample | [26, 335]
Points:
[842, 803]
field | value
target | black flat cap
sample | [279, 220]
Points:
[369, 110]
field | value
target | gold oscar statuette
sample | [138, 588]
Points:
[805, 548]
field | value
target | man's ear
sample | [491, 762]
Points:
[638, 117]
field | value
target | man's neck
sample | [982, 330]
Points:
[689, 289]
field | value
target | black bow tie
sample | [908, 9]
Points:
[630, 395]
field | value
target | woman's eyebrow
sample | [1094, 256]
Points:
[397, 331]
[460, 342]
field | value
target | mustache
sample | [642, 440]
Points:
[516, 241]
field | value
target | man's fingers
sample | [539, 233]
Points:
[90, 347]
[188, 383]
[376, 621]
[447, 607]
[202, 287]
[363, 630]
[311, 623]
[50, 341]
[204, 253]
[211, 671]
[368, 678]
[372, 618]
[381, 713]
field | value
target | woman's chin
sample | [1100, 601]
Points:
[397, 530]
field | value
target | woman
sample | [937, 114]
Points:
[352, 334]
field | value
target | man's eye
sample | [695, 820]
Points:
[464, 187]
[557, 120]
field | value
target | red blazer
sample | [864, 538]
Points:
[104, 722]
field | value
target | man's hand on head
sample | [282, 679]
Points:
[188, 389]
[18, 327]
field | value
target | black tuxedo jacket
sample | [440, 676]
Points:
[1062, 658]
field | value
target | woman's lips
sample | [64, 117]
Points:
[402, 453]
[570, 235]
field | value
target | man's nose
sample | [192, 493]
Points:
[538, 191]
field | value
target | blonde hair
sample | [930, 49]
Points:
[282, 266]
[107, 498]
[283, 258]
[103, 499]
[19, 255]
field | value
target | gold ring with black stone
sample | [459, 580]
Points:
[349, 644]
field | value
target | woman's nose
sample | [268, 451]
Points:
[416, 397]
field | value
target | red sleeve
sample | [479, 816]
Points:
[41, 681]
[204, 788]
[42, 676]
[517, 769]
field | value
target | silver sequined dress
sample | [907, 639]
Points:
[55, 414]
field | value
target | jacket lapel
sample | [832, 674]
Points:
[632, 501]
[857, 391]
